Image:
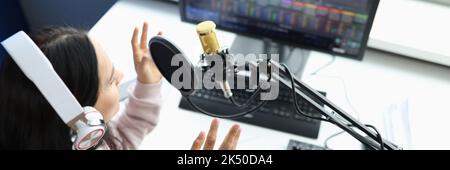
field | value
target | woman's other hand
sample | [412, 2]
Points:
[208, 142]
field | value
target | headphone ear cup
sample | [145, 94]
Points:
[90, 132]
[89, 137]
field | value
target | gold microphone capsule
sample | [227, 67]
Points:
[207, 35]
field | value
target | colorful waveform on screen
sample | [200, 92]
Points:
[298, 15]
[344, 21]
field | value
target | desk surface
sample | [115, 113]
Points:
[370, 86]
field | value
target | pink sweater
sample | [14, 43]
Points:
[139, 118]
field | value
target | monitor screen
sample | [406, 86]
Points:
[338, 27]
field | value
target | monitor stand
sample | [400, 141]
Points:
[294, 58]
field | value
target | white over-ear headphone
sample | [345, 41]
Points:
[87, 125]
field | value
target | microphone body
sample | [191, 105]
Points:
[206, 33]
[213, 55]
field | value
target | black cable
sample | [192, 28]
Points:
[250, 99]
[294, 95]
[232, 116]
[380, 139]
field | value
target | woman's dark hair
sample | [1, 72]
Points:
[27, 121]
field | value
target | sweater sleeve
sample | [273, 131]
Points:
[139, 118]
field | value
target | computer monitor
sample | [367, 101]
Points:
[338, 27]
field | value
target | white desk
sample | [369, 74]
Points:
[374, 83]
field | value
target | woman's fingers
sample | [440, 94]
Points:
[135, 45]
[144, 36]
[212, 134]
[231, 138]
[198, 142]
[236, 139]
[139, 45]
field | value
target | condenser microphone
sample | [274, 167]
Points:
[164, 53]
[207, 33]
[167, 57]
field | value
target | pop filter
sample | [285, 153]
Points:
[168, 58]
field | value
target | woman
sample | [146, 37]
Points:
[27, 121]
